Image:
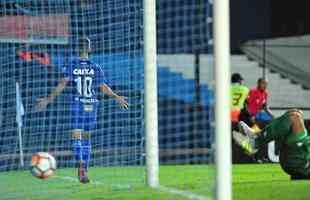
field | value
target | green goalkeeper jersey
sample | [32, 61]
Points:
[294, 148]
[295, 159]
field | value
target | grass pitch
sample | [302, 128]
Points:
[267, 182]
[255, 182]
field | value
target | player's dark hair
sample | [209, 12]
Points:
[236, 78]
[84, 45]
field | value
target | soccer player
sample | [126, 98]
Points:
[257, 102]
[289, 130]
[84, 79]
[239, 94]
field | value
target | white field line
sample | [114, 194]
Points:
[183, 193]
[94, 182]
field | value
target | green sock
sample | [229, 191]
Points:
[278, 129]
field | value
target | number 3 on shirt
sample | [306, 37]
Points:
[84, 86]
[236, 98]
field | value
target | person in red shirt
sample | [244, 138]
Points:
[259, 114]
[257, 102]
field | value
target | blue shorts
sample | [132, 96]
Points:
[83, 116]
[263, 116]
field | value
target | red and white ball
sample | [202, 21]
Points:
[43, 165]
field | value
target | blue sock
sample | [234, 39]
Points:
[77, 149]
[86, 150]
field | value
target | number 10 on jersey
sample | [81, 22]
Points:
[84, 86]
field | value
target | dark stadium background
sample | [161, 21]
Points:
[258, 19]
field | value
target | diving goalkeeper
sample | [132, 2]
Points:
[84, 79]
[289, 130]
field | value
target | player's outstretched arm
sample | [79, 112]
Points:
[120, 99]
[43, 102]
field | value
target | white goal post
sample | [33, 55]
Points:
[222, 83]
[150, 98]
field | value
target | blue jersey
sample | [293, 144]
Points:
[85, 78]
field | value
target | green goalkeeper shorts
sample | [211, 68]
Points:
[295, 158]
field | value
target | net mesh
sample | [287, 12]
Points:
[185, 79]
[40, 39]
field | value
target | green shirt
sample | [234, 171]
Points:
[239, 94]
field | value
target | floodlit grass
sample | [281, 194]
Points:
[267, 182]
[126, 183]
[254, 182]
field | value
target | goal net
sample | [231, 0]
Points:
[38, 39]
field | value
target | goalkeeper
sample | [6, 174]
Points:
[84, 80]
[289, 130]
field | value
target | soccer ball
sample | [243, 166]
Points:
[43, 165]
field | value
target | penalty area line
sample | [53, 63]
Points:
[95, 183]
[183, 193]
